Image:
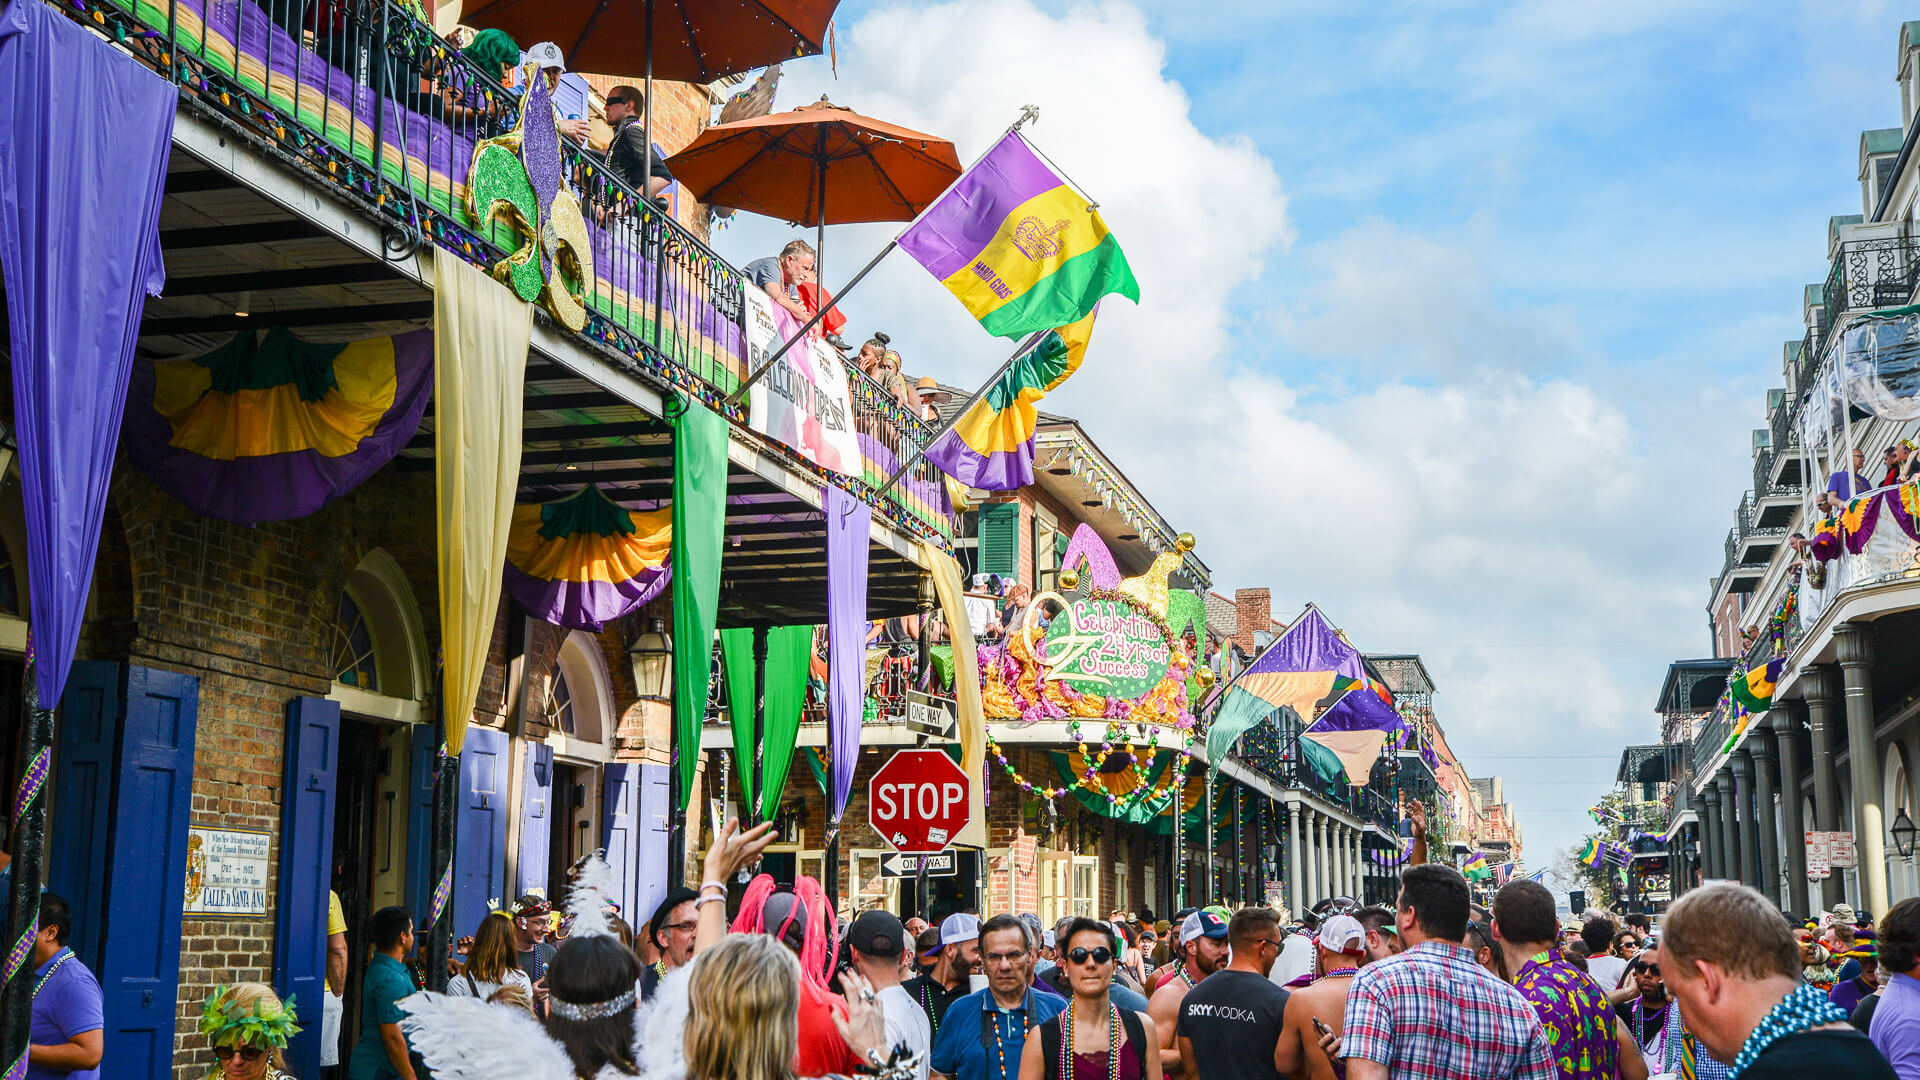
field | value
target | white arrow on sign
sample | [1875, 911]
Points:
[897, 865]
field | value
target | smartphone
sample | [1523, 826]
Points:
[1321, 1027]
[1406, 828]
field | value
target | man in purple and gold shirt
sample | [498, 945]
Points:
[1585, 1041]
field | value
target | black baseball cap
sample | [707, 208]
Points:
[877, 933]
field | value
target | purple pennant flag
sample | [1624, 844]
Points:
[1360, 709]
[1310, 644]
[85, 133]
[848, 523]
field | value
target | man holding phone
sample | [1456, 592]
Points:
[1315, 1010]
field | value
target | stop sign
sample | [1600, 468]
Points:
[917, 801]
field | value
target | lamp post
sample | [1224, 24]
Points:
[651, 655]
[1903, 835]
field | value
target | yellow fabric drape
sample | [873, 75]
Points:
[480, 335]
[972, 721]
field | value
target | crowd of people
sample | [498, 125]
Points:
[1433, 986]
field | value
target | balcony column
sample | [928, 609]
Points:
[1296, 855]
[1319, 890]
[1710, 832]
[1869, 822]
[1818, 683]
[1729, 825]
[1353, 863]
[1785, 720]
[1743, 798]
[1683, 880]
[1343, 851]
[1765, 821]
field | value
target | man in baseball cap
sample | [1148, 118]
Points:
[876, 939]
[1341, 946]
[1204, 935]
[946, 980]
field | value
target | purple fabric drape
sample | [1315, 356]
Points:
[1360, 709]
[848, 522]
[85, 133]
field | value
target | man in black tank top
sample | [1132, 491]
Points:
[1234, 1015]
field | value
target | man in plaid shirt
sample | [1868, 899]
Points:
[1432, 1012]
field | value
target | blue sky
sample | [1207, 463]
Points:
[1455, 317]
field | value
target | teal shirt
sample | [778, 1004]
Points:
[386, 982]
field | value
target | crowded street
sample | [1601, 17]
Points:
[958, 540]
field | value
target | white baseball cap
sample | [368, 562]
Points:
[1343, 934]
[547, 55]
[959, 927]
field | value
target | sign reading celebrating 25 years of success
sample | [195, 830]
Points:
[1106, 647]
[227, 872]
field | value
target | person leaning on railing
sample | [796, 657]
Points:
[627, 151]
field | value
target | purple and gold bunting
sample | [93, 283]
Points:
[269, 427]
[585, 560]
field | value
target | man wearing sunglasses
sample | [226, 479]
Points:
[983, 1034]
[1236, 1012]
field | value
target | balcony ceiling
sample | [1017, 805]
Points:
[226, 244]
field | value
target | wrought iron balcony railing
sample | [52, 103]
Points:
[1869, 274]
[363, 97]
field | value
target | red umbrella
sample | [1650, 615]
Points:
[698, 40]
[820, 164]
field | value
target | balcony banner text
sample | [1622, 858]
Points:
[803, 400]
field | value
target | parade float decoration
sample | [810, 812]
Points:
[1113, 661]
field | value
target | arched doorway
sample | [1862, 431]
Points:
[580, 719]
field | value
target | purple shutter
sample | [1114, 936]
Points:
[420, 775]
[480, 837]
[89, 741]
[621, 828]
[306, 868]
[536, 819]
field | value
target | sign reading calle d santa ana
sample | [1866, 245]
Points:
[1106, 647]
[227, 872]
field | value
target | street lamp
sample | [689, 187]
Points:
[1903, 834]
[652, 657]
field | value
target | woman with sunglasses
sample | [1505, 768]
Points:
[247, 1026]
[1093, 1039]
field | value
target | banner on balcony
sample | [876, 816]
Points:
[80, 251]
[585, 560]
[803, 400]
[269, 427]
[849, 523]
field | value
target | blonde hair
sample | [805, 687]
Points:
[245, 998]
[512, 993]
[743, 1011]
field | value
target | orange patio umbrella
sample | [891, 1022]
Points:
[820, 164]
[686, 40]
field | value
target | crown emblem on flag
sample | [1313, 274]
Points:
[1035, 240]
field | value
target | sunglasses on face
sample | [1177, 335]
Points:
[1081, 955]
[247, 1053]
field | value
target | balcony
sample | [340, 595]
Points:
[1871, 274]
[379, 117]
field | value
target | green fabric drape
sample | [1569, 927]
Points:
[699, 520]
[1148, 812]
[789, 648]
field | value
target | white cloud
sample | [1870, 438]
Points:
[1495, 507]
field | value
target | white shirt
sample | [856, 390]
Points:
[1295, 960]
[457, 986]
[907, 1023]
[1606, 970]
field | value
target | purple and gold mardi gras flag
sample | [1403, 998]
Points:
[991, 445]
[269, 427]
[585, 560]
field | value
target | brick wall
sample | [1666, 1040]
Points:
[1253, 612]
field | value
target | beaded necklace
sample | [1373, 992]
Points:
[1337, 973]
[57, 965]
[1187, 978]
[1026, 1026]
[926, 1003]
[1639, 1015]
[1803, 1009]
[1113, 1042]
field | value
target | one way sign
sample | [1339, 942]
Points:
[905, 866]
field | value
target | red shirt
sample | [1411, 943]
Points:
[822, 1050]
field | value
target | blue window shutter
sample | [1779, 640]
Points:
[651, 887]
[420, 776]
[620, 827]
[480, 832]
[82, 813]
[999, 536]
[306, 856]
[140, 965]
[536, 820]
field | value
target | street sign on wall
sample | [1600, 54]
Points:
[1828, 851]
[918, 801]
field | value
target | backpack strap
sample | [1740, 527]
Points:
[1136, 1037]
[1050, 1034]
